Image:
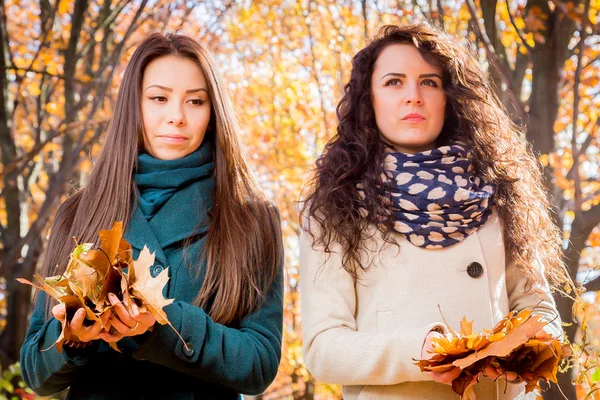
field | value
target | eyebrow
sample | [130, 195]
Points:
[171, 90]
[432, 75]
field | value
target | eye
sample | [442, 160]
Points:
[429, 82]
[159, 99]
[197, 102]
[393, 82]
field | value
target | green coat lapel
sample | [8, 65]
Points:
[177, 220]
[140, 234]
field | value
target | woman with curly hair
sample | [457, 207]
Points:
[426, 206]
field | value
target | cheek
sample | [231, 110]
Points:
[200, 122]
[149, 117]
[383, 108]
[439, 108]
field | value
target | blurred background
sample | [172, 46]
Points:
[61, 62]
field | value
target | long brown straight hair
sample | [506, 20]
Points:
[243, 249]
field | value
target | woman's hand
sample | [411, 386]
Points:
[126, 323]
[83, 333]
[445, 377]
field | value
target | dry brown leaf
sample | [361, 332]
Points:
[513, 339]
[112, 284]
[111, 240]
[84, 278]
[516, 348]
[51, 290]
[145, 287]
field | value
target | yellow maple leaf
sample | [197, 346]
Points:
[466, 327]
[148, 289]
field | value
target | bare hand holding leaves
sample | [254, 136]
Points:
[93, 274]
[517, 349]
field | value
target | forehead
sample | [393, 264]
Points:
[403, 58]
[173, 71]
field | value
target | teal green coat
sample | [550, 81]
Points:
[223, 362]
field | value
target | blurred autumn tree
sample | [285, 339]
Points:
[287, 63]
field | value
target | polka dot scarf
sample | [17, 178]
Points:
[436, 198]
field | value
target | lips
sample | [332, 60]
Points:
[173, 138]
[413, 117]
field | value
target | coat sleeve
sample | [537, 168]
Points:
[44, 369]
[245, 359]
[522, 296]
[333, 350]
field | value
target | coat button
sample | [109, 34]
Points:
[158, 269]
[188, 350]
[475, 270]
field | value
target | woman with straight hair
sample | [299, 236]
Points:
[425, 207]
[174, 170]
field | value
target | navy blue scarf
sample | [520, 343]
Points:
[437, 199]
[157, 180]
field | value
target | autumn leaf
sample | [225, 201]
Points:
[72, 304]
[111, 239]
[83, 277]
[516, 348]
[145, 287]
[110, 245]
[112, 284]
[466, 327]
[148, 289]
[504, 346]
[49, 289]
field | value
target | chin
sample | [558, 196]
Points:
[413, 148]
[170, 155]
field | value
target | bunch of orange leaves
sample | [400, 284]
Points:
[93, 273]
[516, 349]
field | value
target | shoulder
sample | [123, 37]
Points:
[491, 233]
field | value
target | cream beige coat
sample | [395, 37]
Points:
[365, 335]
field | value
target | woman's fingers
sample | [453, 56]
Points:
[445, 377]
[105, 319]
[120, 326]
[146, 318]
[108, 337]
[83, 332]
[491, 372]
[448, 376]
[121, 312]
[130, 323]
[59, 311]
[77, 321]
[124, 322]
[427, 349]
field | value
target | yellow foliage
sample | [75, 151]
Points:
[64, 6]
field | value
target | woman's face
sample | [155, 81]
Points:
[408, 99]
[175, 107]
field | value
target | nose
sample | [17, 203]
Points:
[176, 116]
[413, 95]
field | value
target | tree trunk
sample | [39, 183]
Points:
[548, 61]
[18, 299]
[582, 226]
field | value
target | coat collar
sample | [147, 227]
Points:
[177, 220]
[140, 234]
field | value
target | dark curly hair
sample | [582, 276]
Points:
[474, 116]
